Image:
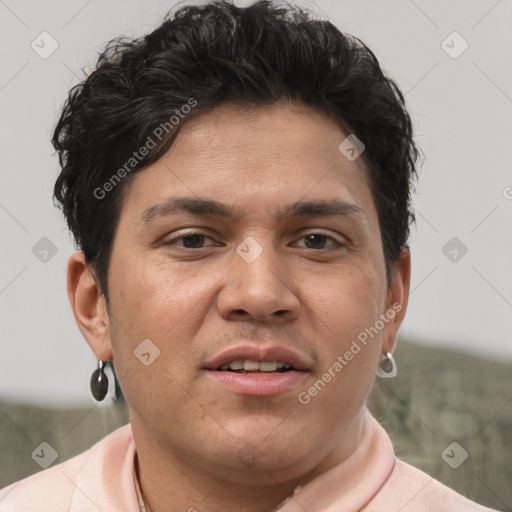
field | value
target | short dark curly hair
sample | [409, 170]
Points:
[217, 53]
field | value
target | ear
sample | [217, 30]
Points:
[89, 307]
[397, 300]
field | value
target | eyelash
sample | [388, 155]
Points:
[192, 233]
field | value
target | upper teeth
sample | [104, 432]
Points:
[264, 366]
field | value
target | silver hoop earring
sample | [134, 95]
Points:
[387, 366]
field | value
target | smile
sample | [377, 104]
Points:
[249, 366]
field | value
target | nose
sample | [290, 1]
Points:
[263, 288]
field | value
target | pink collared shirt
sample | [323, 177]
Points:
[370, 480]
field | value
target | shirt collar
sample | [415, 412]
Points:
[353, 483]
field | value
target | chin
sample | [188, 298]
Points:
[263, 459]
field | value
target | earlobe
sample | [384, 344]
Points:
[398, 298]
[88, 305]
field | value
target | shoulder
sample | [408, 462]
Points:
[55, 488]
[50, 489]
[409, 489]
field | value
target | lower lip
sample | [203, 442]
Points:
[259, 384]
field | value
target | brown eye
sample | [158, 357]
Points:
[193, 240]
[318, 241]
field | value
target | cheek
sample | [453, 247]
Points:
[346, 300]
[150, 331]
[152, 295]
[166, 304]
[345, 308]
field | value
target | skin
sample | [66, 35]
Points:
[195, 302]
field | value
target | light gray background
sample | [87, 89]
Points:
[462, 110]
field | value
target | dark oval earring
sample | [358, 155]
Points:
[99, 383]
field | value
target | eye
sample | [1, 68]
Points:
[315, 240]
[191, 240]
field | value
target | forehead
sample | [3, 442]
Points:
[262, 160]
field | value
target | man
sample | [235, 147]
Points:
[238, 183]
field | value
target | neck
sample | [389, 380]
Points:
[171, 484]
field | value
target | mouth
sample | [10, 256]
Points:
[253, 370]
[253, 358]
[255, 367]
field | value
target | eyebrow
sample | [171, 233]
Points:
[204, 206]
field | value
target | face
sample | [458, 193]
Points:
[252, 240]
